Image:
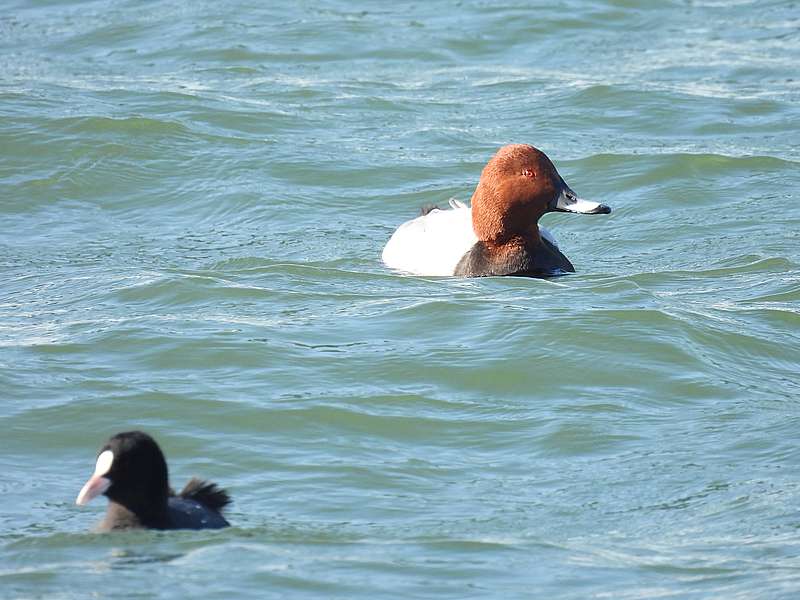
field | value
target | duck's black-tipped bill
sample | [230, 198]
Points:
[568, 201]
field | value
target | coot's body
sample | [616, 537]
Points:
[132, 472]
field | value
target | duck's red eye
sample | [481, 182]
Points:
[529, 173]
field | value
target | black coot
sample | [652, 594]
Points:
[132, 472]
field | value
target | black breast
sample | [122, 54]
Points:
[541, 260]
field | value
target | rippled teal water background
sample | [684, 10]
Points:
[194, 197]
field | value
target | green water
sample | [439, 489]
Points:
[193, 201]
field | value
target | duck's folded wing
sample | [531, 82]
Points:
[433, 243]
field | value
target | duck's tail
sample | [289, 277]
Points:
[454, 204]
[427, 209]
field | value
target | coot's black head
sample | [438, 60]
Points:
[130, 470]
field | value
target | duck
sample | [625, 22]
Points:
[499, 234]
[131, 472]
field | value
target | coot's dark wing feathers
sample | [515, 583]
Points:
[206, 493]
[185, 513]
[198, 506]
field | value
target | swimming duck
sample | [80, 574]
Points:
[500, 233]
